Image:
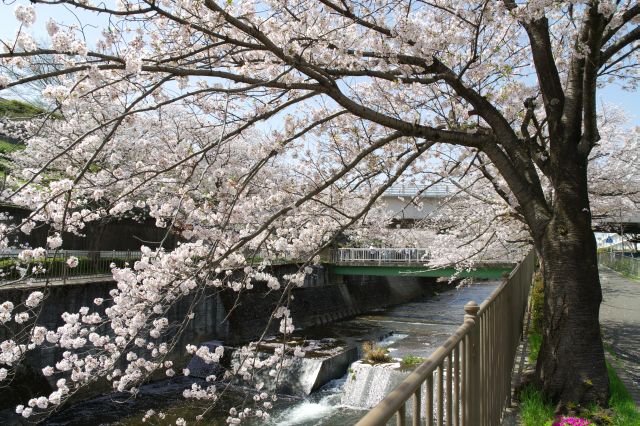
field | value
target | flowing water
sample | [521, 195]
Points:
[415, 329]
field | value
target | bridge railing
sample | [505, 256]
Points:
[58, 266]
[467, 380]
[380, 255]
[620, 262]
[439, 190]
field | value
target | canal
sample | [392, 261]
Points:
[413, 329]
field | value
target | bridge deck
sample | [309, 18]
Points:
[418, 270]
[407, 262]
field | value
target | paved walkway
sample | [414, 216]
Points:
[620, 321]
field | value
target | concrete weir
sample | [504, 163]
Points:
[305, 375]
[368, 384]
[225, 317]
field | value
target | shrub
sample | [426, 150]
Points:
[374, 354]
[411, 361]
[537, 304]
[537, 312]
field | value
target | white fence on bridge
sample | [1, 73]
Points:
[380, 255]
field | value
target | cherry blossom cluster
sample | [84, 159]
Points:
[263, 131]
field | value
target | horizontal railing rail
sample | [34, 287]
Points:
[395, 256]
[63, 265]
[467, 380]
[380, 255]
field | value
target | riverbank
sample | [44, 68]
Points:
[415, 328]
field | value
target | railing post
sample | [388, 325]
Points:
[471, 406]
[65, 268]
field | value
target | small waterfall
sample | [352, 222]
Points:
[367, 384]
[323, 407]
[309, 411]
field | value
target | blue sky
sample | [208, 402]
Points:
[92, 22]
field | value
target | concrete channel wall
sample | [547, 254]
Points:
[222, 315]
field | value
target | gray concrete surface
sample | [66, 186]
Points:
[620, 322]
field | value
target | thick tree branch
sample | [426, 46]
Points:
[590, 135]
[624, 41]
[547, 72]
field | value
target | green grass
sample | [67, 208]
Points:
[621, 402]
[622, 266]
[537, 311]
[18, 109]
[630, 276]
[7, 147]
[534, 409]
[411, 362]
[535, 340]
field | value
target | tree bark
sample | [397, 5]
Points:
[571, 366]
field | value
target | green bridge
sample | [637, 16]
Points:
[406, 262]
[488, 272]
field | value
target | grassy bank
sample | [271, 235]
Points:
[14, 108]
[535, 410]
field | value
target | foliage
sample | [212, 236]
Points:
[411, 361]
[537, 311]
[537, 304]
[374, 354]
[535, 410]
[13, 108]
[624, 407]
[7, 147]
[535, 341]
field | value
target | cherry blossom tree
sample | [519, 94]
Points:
[274, 126]
[476, 221]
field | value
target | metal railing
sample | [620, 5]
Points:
[620, 262]
[55, 267]
[467, 380]
[380, 255]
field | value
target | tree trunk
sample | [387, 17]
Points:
[571, 366]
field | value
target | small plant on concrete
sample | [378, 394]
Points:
[375, 354]
[411, 361]
[352, 373]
